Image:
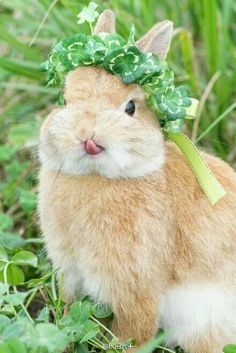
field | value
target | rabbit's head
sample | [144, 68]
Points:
[106, 127]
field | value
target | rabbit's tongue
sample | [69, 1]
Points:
[92, 148]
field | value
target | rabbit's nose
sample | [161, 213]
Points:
[92, 148]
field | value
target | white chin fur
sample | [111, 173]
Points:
[112, 163]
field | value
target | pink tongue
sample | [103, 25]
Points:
[92, 148]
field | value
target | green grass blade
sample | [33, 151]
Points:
[217, 121]
[13, 42]
[22, 68]
[210, 35]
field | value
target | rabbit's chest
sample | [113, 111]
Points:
[96, 246]
[107, 247]
[98, 236]
[101, 255]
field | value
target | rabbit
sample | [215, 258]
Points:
[125, 219]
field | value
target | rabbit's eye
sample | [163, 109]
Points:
[130, 108]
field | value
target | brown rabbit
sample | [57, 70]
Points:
[125, 219]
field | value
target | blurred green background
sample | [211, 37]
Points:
[202, 54]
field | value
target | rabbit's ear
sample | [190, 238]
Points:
[105, 23]
[157, 40]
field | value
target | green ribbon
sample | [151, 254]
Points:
[210, 185]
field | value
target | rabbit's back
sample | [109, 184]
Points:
[204, 233]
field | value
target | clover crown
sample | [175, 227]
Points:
[122, 58]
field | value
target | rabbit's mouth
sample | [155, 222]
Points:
[92, 148]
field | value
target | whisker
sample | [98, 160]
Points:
[55, 179]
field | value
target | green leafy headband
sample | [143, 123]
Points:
[122, 58]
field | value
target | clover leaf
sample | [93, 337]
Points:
[24, 257]
[14, 275]
[174, 125]
[113, 42]
[95, 49]
[77, 41]
[88, 14]
[172, 102]
[75, 50]
[113, 62]
[130, 64]
[78, 324]
[84, 50]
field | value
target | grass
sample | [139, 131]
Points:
[203, 56]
